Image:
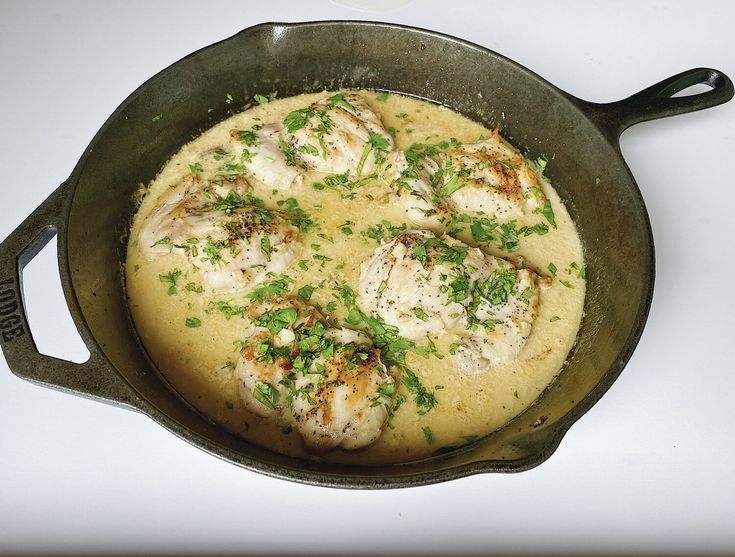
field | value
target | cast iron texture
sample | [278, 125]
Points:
[92, 210]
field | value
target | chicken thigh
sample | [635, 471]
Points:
[329, 383]
[265, 156]
[234, 242]
[488, 177]
[425, 285]
[414, 194]
[339, 134]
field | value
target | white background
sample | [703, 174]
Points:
[648, 469]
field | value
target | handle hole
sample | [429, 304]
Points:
[696, 89]
[49, 319]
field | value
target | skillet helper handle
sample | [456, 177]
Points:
[657, 101]
[95, 378]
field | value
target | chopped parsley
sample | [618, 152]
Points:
[453, 184]
[248, 138]
[193, 322]
[322, 259]
[541, 163]
[419, 150]
[445, 253]
[424, 399]
[384, 230]
[578, 270]
[265, 247]
[306, 292]
[482, 230]
[165, 241]
[298, 217]
[234, 200]
[339, 100]
[308, 149]
[260, 99]
[428, 350]
[427, 434]
[548, 212]
[539, 229]
[276, 287]
[418, 312]
[277, 320]
[382, 96]
[345, 228]
[508, 236]
[420, 253]
[212, 252]
[392, 347]
[342, 182]
[171, 279]
[287, 151]
[526, 295]
[225, 308]
[297, 119]
[266, 394]
[196, 167]
[194, 287]
[498, 286]
[378, 145]
[385, 394]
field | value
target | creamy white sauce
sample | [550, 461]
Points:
[195, 360]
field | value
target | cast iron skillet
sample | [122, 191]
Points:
[91, 212]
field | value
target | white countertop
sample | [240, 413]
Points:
[648, 469]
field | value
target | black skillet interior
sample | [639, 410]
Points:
[93, 209]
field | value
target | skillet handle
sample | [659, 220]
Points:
[657, 101]
[95, 378]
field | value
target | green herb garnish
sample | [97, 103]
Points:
[376, 143]
[548, 212]
[428, 350]
[427, 434]
[226, 308]
[171, 279]
[194, 287]
[266, 394]
[265, 247]
[276, 287]
[306, 292]
[193, 322]
[277, 320]
[420, 313]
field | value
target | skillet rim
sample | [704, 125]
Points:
[327, 479]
